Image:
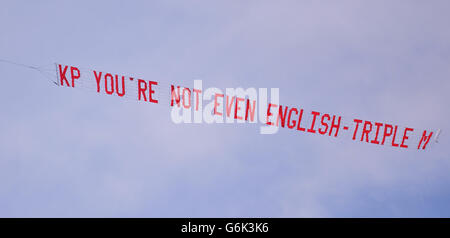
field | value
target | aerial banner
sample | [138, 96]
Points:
[198, 105]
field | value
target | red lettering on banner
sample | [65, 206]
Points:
[187, 106]
[62, 75]
[73, 76]
[229, 105]
[425, 139]
[329, 124]
[196, 91]
[269, 113]
[323, 132]
[375, 141]
[237, 108]
[217, 104]
[337, 126]
[386, 134]
[315, 114]
[97, 79]
[151, 91]
[174, 95]
[366, 130]
[393, 138]
[405, 137]
[289, 117]
[356, 127]
[123, 86]
[108, 75]
[250, 111]
[300, 116]
[141, 90]
[281, 116]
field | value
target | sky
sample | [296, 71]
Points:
[70, 153]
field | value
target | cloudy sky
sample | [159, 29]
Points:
[71, 153]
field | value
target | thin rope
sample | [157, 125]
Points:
[39, 69]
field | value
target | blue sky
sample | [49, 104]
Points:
[69, 153]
